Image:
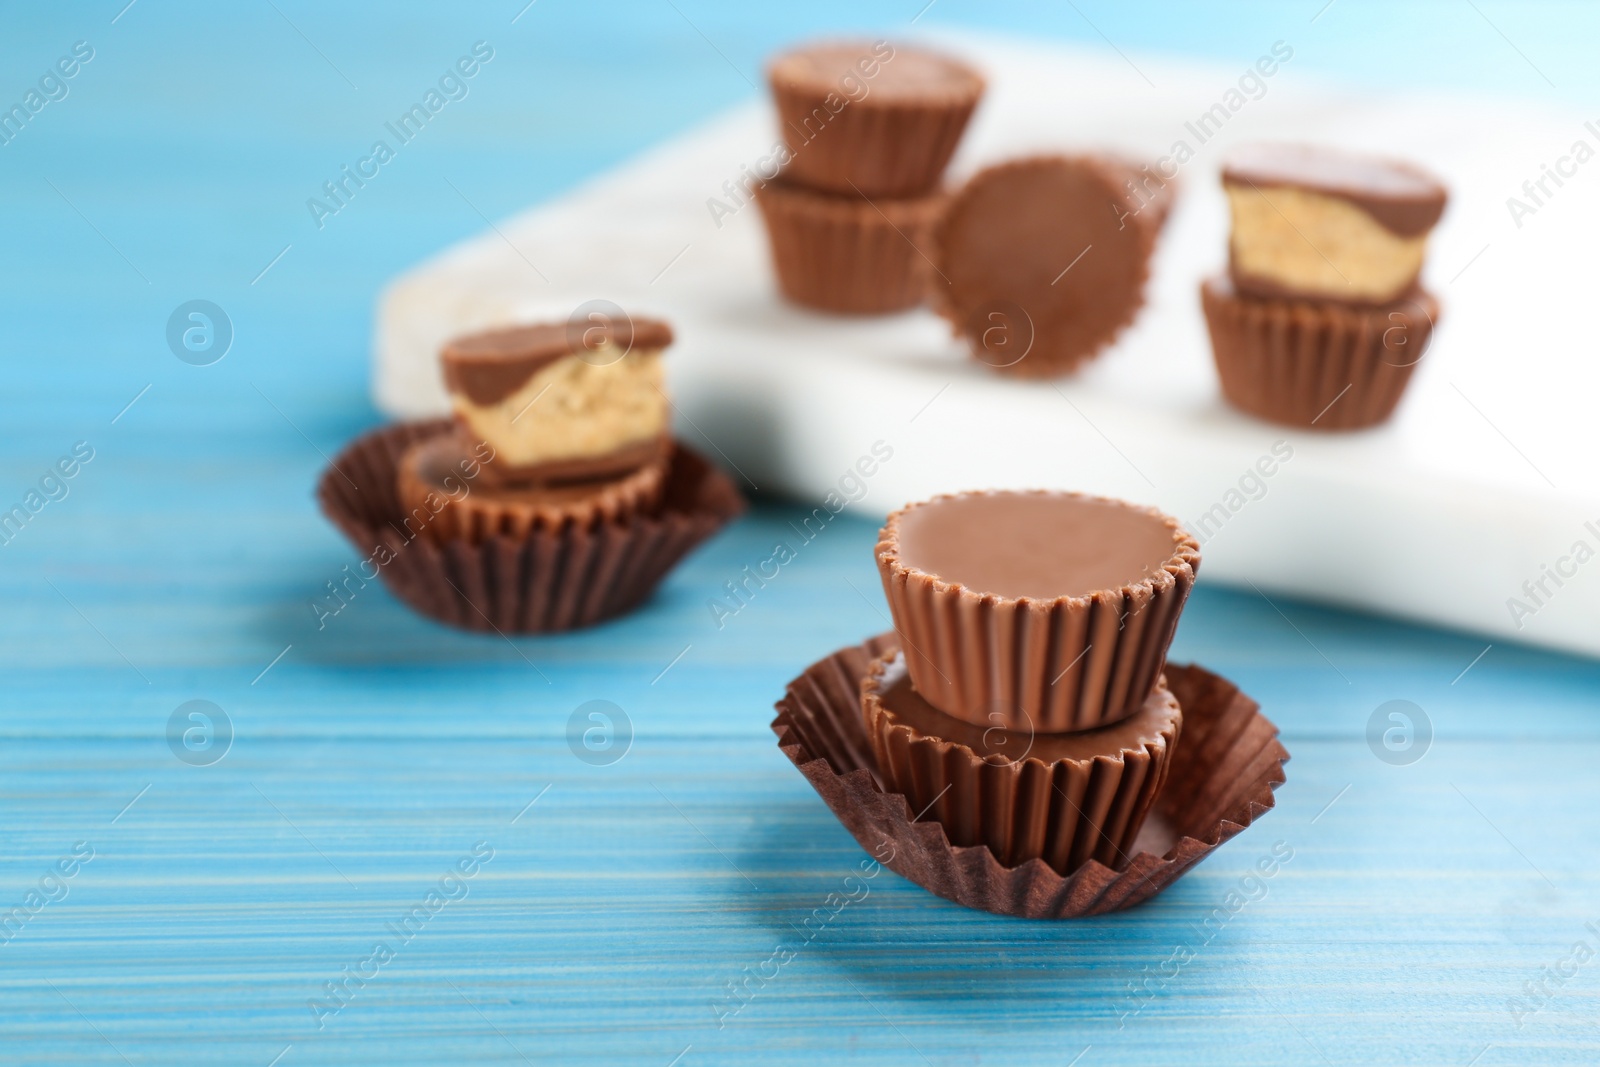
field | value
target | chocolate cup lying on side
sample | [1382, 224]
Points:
[1040, 611]
[1219, 781]
[846, 254]
[871, 119]
[1043, 261]
[546, 581]
[1315, 363]
[1064, 798]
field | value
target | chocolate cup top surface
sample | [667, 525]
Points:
[489, 366]
[1405, 199]
[887, 685]
[911, 77]
[1220, 780]
[1044, 260]
[1041, 546]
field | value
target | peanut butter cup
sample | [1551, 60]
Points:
[870, 118]
[847, 254]
[1043, 611]
[1319, 364]
[440, 497]
[555, 499]
[561, 402]
[1321, 319]
[1043, 261]
[1320, 223]
[1219, 780]
[1065, 798]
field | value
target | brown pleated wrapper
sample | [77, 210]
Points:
[547, 581]
[1315, 364]
[484, 512]
[1065, 811]
[1072, 663]
[1219, 781]
[881, 145]
[846, 254]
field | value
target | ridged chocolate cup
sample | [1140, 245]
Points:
[1043, 261]
[1068, 663]
[1313, 363]
[482, 511]
[889, 142]
[1065, 799]
[846, 254]
[1219, 781]
[547, 581]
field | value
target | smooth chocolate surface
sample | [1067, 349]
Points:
[1405, 199]
[488, 367]
[906, 707]
[908, 74]
[1044, 260]
[1036, 545]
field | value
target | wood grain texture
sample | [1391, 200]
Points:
[380, 749]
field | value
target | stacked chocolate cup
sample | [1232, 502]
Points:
[1026, 709]
[1321, 318]
[555, 498]
[868, 129]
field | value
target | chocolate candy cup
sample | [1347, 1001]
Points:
[1316, 364]
[1319, 223]
[547, 581]
[1043, 261]
[1063, 798]
[1219, 782]
[475, 510]
[871, 119]
[1049, 663]
[845, 253]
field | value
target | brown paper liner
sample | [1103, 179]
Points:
[1063, 810]
[1043, 261]
[1219, 781]
[1072, 663]
[1315, 364]
[547, 581]
[846, 254]
[483, 511]
[875, 146]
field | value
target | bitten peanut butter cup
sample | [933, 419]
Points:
[1040, 611]
[562, 401]
[440, 494]
[1043, 261]
[1317, 364]
[1315, 222]
[1065, 798]
[871, 118]
[847, 254]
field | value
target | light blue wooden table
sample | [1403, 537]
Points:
[155, 911]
